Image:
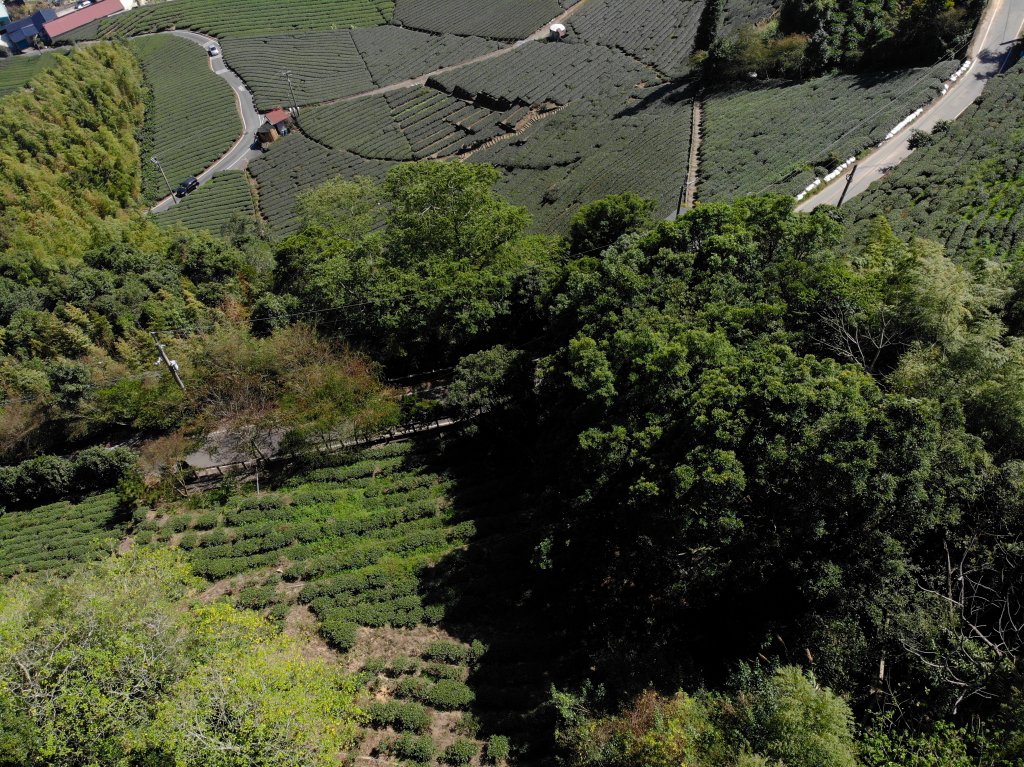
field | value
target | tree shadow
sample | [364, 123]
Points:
[488, 589]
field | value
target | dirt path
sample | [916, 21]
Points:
[693, 165]
[413, 82]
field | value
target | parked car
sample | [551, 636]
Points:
[83, 4]
[213, 50]
[190, 184]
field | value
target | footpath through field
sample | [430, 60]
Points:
[990, 51]
[421, 80]
[241, 153]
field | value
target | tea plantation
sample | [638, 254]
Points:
[658, 32]
[595, 147]
[56, 537]
[965, 189]
[15, 73]
[356, 536]
[485, 18]
[243, 18]
[337, 64]
[771, 138]
[296, 163]
[214, 204]
[191, 114]
[406, 556]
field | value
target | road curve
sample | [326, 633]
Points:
[241, 153]
[990, 51]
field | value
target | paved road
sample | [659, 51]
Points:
[241, 153]
[990, 52]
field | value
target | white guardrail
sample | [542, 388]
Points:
[896, 129]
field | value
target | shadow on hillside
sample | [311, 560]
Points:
[488, 591]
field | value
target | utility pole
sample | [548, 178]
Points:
[295, 107]
[849, 180]
[172, 365]
[156, 162]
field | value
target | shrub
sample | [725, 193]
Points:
[446, 652]
[279, 612]
[217, 537]
[257, 597]
[339, 632]
[206, 521]
[189, 541]
[412, 687]
[460, 752]
[444, 671]
[375, 665]
[177, 524]
[404, 717]
[143, 537]
[449, 695]
[416, 748]
[497, 750]
[403, 665]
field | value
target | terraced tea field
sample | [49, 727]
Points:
[410, 125]
[965, 189]
[245, 18]
[332, 65]
[15, 72]
[191, 115]
[58, 536]
[771, 138]
[659, 33]
[537, 72]
[510, 20]
[214, 204]
[296, 163]
[595, 147]
[409, 560]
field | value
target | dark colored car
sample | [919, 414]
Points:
[190, 184]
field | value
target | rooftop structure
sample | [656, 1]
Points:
[72, 21]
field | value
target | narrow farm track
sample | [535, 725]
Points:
[991, 51]
[693, 165]
[240, 153]
[421, 80]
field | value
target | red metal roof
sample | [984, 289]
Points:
[275, 116]
[76, 19]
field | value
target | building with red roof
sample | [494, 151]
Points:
[277, 116]
[72, 21]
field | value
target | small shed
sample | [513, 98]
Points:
[276, 123]
[557, 32]
[5, 17]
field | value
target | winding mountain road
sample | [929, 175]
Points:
[990, 52]
[241, 152]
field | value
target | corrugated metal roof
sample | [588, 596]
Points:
[77, 19]
[275, 116]
[30, 25]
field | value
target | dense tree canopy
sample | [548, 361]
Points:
[450, 264]
[118, 666]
